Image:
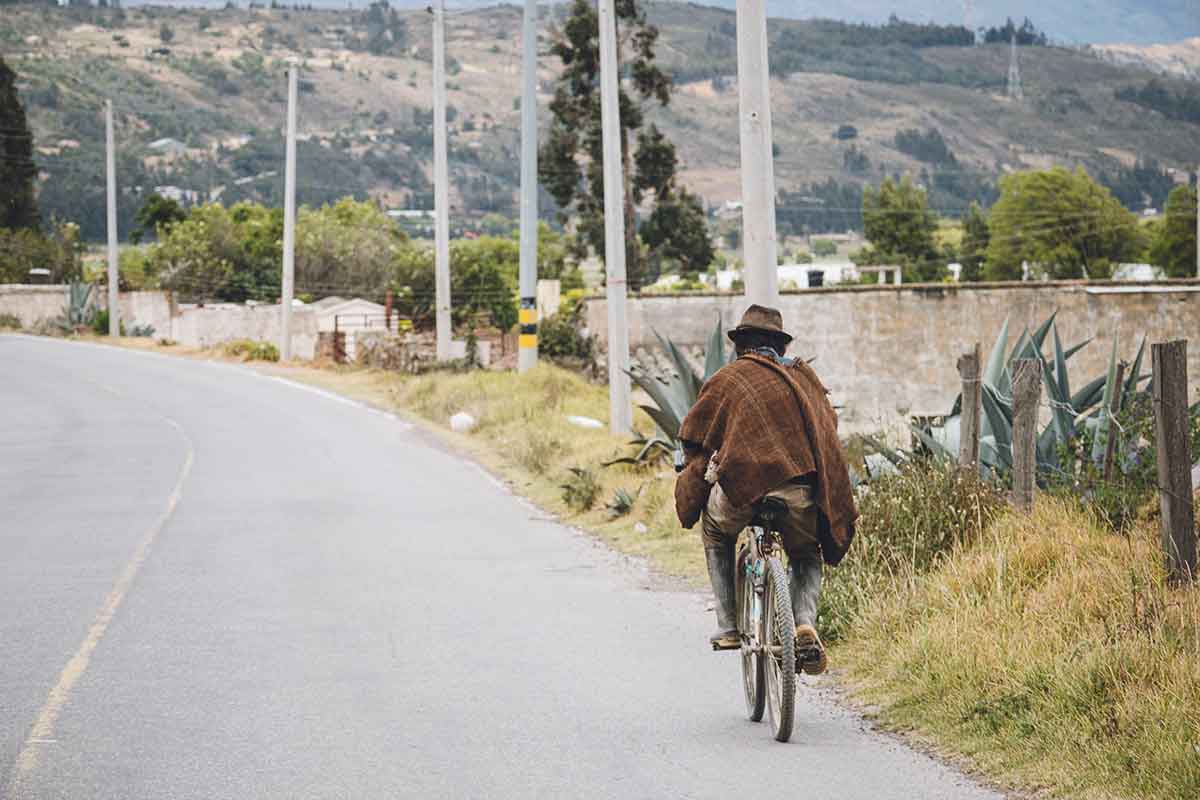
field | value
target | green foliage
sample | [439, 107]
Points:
[929, 146]
[622, 503]
[166, 34]
[251, 350]
[828, 207]
[559, 337]
[1062, 223]
[483, 278]
[1174, 245]
[99, 323]
[581, 489]
[910, 522]
[18, 207]
[26, 249]
[1027, 35]
[1144, 185]
[976, 237]
[898, 223]
[155, 212]
[824, 248]
[10, 322]
[676, 227]
[1156, 94]
[346, 247]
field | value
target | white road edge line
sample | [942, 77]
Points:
[42, 731]
[341, 398]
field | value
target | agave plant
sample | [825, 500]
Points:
[673, 392]
[1072, 413]
[79, 311]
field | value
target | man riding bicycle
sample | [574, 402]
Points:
[762, 426]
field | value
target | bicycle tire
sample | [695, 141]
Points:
[779, 628]
[754, 686]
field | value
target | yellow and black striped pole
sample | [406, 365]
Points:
[527, 341]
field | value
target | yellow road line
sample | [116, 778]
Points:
[42, 732]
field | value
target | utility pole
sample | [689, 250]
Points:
[758, 167]
[1198, 221]
[527, 352]
[620, 412]
[1015, 92]
[110, 158]
[441, 189]
[289, 224]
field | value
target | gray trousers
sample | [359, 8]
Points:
[721, 523]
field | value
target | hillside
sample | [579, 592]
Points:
[216, 89]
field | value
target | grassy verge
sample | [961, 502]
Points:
[1045, 648]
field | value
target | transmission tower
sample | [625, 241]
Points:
[1014, 73]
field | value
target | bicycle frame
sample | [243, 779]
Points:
[762, 542]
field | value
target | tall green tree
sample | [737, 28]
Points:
[575, 135]
[900, 227]
[1174, 244]
[1062, 224]
[18, 206]
[976, 237]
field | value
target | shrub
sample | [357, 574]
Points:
[910, 521]
[10, 322]
[580, 491]
[99, 323]
[251, 350]
[558, 337]
[622, 503]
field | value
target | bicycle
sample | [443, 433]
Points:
[765, 622]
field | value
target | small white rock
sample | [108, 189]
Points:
[640, 527]
[462, 422]
[584, 422]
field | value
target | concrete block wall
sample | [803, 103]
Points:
[205, 326]
[890, 352]
[32, 303]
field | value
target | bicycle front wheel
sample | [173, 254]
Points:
[779, 650]
[753, 685]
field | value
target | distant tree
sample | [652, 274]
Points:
[1144, 185]
[18, 206]
[1027, 35]
[155, 212]
[976, 237]
[823, 248]
[1174, 245]
[845, 133]
[678, 230]
[929, 146]
[1062, 223]
[166, 34]
[204, 22]
[900, 227]
[576, 131]
[855, 161]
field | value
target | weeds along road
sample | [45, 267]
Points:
[221, 585]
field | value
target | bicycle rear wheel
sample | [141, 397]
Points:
[753, 685]
[779, 650]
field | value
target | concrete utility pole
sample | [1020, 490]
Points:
[441, 188]
[527, 352]
[1198, 222]
[758, 167]
[289, 224]
[620, 405]
[110, 158]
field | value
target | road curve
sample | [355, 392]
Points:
[218, 584]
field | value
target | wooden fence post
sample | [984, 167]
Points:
[1174, 461]
[969, 421]
[1114, 408]
[1027, 395]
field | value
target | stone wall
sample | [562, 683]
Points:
[890, 351]
[32, 303]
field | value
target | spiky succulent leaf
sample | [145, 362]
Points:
[714, 355]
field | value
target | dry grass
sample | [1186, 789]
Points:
[1051, 652]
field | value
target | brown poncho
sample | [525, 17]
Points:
[768, 424]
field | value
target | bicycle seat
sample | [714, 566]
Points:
[767, 511]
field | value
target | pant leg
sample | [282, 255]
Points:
[721, 521]
[800, 541]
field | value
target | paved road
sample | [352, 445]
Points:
[218, 584]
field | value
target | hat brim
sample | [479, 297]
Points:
[786, 337]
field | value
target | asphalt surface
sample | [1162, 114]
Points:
[218, 584]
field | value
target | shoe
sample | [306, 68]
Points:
[810, 653]
[726, 640]
[720, 573]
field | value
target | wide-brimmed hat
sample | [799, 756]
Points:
[761, 319]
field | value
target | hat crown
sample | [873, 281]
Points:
[761, 318]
